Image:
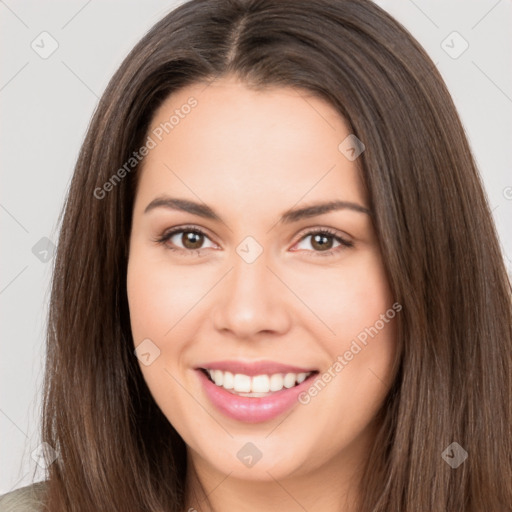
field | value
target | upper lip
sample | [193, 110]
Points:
[254, 368]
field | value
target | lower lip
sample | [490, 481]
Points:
[252, 409]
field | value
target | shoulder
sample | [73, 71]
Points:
[24, 499]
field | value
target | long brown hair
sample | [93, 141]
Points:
[117, 451]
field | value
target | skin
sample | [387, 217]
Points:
[250, 156]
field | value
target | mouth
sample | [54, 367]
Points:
[257, 386]
[253, 398]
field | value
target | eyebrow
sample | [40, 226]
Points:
[292, 215]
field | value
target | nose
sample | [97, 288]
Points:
[252, 300]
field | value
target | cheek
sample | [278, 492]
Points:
[349, 298]
[158, 298]
[159, 295]
[348, 394]
[358, 309]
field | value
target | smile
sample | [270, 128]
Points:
[257, 386]
[253, 399]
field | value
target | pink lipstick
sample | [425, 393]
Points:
[253, 392]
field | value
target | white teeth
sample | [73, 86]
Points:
[260, 384]
[242, 383]
[218, 377]
[301, 377]
[289, 380]
[229, 380]
[276, 382]
[257, 385]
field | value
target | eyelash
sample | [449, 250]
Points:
[344, 244]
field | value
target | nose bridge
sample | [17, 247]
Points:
[249, 302]
[250, 273]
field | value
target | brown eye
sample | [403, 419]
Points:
[192, 239]
[184, 240]
[322, 242]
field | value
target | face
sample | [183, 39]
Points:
[251, 292]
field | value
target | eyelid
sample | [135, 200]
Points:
[319, 229]
[343, 239]
[169, 233]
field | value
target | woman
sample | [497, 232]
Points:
[278, 284]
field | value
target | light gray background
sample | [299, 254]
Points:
[46, 105]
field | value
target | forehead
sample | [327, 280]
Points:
[246, 148]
